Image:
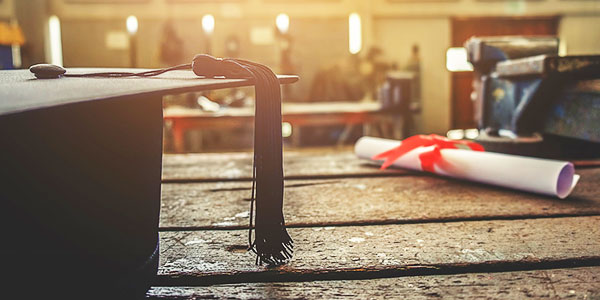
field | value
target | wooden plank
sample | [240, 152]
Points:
[298, 164]
[404, 199]
[219, 256]
[313, 163]
[579, 283]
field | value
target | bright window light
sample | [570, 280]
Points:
[472, 133]
[455, 134]
[355, 33]
[286, 129]
[132, 25]
[55, 41]
[282, 21]
[456, 60]
[562, 47]
[208, 24]
[16, 56]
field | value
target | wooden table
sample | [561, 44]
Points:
[364, 233]
[182, 119]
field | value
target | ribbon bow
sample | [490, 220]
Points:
[428, 158]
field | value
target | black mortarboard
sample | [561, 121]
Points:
[80, 171]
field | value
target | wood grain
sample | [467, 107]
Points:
[298, 164]
[403, 199]
[364, 233]
[578, 283]
[238, 166]
[219, 256]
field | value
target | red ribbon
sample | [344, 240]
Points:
[428, 158]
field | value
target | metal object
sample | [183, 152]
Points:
[524, 88]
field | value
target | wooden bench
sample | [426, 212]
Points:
[364, 233]
[180, 120]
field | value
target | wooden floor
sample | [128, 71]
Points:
[365, 233]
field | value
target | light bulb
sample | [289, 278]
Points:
[282, 21]
[208, 24]
[132, 25]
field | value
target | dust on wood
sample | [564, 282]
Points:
[238, 166]
[403, 199]
[196, 257]
[299, 164]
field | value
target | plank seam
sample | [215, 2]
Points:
[292, 177]
[287, 275]
[397, 173]
[386, 222]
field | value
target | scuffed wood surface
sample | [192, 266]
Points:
[577, 283]
[402, 199]
[218, 256]
[297, 164]
[365, 233]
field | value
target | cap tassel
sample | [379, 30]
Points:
[272, 243]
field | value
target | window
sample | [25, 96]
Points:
[456, 60]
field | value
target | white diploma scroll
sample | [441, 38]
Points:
[543, 176]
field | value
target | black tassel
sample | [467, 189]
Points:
[272, 244]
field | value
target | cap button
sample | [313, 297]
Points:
[47, 71]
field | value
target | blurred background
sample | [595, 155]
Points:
[348, 54]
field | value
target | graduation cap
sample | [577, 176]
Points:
[80, 172]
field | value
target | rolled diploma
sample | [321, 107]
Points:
[543, 176]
